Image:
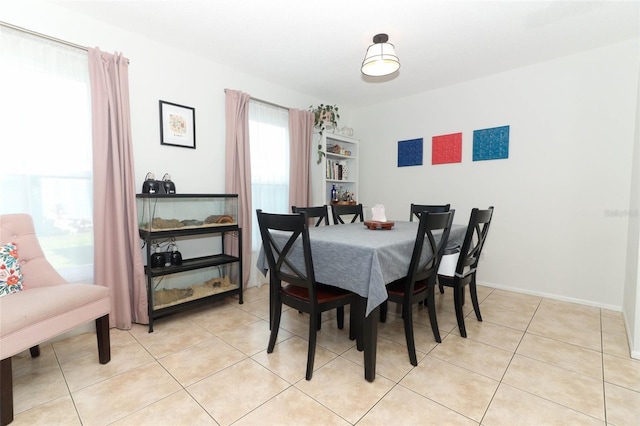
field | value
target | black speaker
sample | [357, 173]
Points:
[167, 185]
[150, 185]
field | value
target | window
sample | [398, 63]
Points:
[45, 114]
[269, 136]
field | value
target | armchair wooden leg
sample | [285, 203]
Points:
[104, 340]
[35, 351]
[6, 392]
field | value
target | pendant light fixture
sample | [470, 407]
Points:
[381, 58]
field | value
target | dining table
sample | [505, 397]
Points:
[363, 260]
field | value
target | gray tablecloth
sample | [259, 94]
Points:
[361, 260]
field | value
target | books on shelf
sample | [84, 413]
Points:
[336, 170]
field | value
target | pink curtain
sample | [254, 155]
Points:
[238, 171]
[118, 259]
[301, 141]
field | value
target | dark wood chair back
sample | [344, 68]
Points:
[416, 209]
[320, 214]
[339, 210]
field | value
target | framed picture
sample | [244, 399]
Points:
[177, 125]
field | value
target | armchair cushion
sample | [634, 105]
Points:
[10, 272]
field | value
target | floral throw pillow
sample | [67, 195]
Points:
[10, 273]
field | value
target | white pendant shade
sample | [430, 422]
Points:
[381, 58]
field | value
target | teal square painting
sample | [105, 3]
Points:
[491, 144]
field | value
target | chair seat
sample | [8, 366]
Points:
[397, 287]
[325, 293]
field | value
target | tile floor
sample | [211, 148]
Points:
[531, 361]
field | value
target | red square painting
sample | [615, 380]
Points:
[446, 149]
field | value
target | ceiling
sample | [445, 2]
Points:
[317, 47]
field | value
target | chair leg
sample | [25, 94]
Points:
[311, 351]
[275, 326]
[35, 351]
[433, 318]
[6, 392]
[383, 311]
[458, 294]
[340, 313]
[104, 339]
[407, 315]
[319, 322]
[474, 298]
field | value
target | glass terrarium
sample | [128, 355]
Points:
[169, 212]
[175, 289]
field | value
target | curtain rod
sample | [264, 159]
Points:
[46, 37]
[24, 30]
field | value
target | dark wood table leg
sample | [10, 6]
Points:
[370, 338]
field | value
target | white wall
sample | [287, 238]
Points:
[569, 169]
[159, 72]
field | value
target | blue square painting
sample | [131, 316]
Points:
[491, 144]
[410, 152]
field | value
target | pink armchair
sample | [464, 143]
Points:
[46, 308]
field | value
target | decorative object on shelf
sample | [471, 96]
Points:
[347, 131]
[381, 58]
[324, 117]
[177, 125]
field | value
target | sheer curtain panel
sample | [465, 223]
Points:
[45, 115]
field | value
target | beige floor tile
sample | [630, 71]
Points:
[86, 344]
[258, 308]
[568, 307]
[23, 364]
[39, 386]
[173, 338]
[86, 371]
[610, 313]
[252, 338]
[511, 406]
[566, 330]
[459, 389]
[120, 396]
[615, 344]
[223, 318]
[571, 357]
[292, 407]
[235, 391]
[176, 409]
[404, 407]
[332, 338]
[289, 358]
[204, 359]
[60, 411]
[505, 318]
[340, 386]
[254, 293]
[422, 335]
[295, 323]
[392, 359]
[492, 334]
[613, 325]
[525, 305]
[623, 405]
[573, 390]
[514, 295]
[622, 372]
[475, 356]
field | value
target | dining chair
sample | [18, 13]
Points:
[293, 283]
[420, 281]
[339, 210]
[322, 213]
[319, 212]
[467, 265]
[416, 209]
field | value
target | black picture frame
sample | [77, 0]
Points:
[177, 125]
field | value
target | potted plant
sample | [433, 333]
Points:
[324, 116]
